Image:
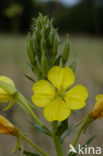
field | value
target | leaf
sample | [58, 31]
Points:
[41, 129]
[30, 154]
[30, 78]
[62, 127]
[89, 140]
[67, 133]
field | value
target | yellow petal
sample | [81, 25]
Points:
[6, 127]
[75, 97]
[7, 80]
[97, 111]
[44, 93]
[61, 78]
[5, 96]
[56, 110]
[99, 97]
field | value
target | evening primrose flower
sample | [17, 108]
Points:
[55, 98]
[97, 111]
[5, 96]
[6, 127]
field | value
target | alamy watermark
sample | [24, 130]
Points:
[86, 150]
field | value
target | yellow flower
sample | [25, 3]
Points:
[97, 111]
[54, 95]
[6, 127]
[4, 95]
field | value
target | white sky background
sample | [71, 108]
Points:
[66, 2]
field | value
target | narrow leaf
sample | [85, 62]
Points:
[40, 129]
[29, 78]
[30, 154]
[67, 133]
[62, 127]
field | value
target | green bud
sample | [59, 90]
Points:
[43, 43]
[9, 88]
[35, 41]
[58, 60]
[55, 45]
[66, 51]
[44, 65]
[29, 49]
[51, 34]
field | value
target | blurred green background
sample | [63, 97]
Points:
[83, 20]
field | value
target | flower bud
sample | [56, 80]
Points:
[7, 89]
[6, 127]
[66, 52]
[55, 44]
[44, 65]
[97, 111]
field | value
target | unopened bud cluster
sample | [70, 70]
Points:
[43, 45]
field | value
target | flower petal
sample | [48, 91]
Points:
[61, 78]
[44, 92]
[99, 97]
[5, 96]
[56, 110]
[75, 97]
[6, 127]
[7, 80]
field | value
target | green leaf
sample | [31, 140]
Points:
[67, 133]
[29, 78]
[41, 129]
[30, 154]
[62, 127]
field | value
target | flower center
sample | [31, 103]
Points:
[60, 93]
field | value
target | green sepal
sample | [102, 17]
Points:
[66, 51]
[10, 105]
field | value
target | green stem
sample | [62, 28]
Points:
[56, 139]
[32, 144]
[21, 98]
[79, 133]
[25, 104]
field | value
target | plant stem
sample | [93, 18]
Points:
[21, 98]
[56, 139]
[32, 144]
[79, 133]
